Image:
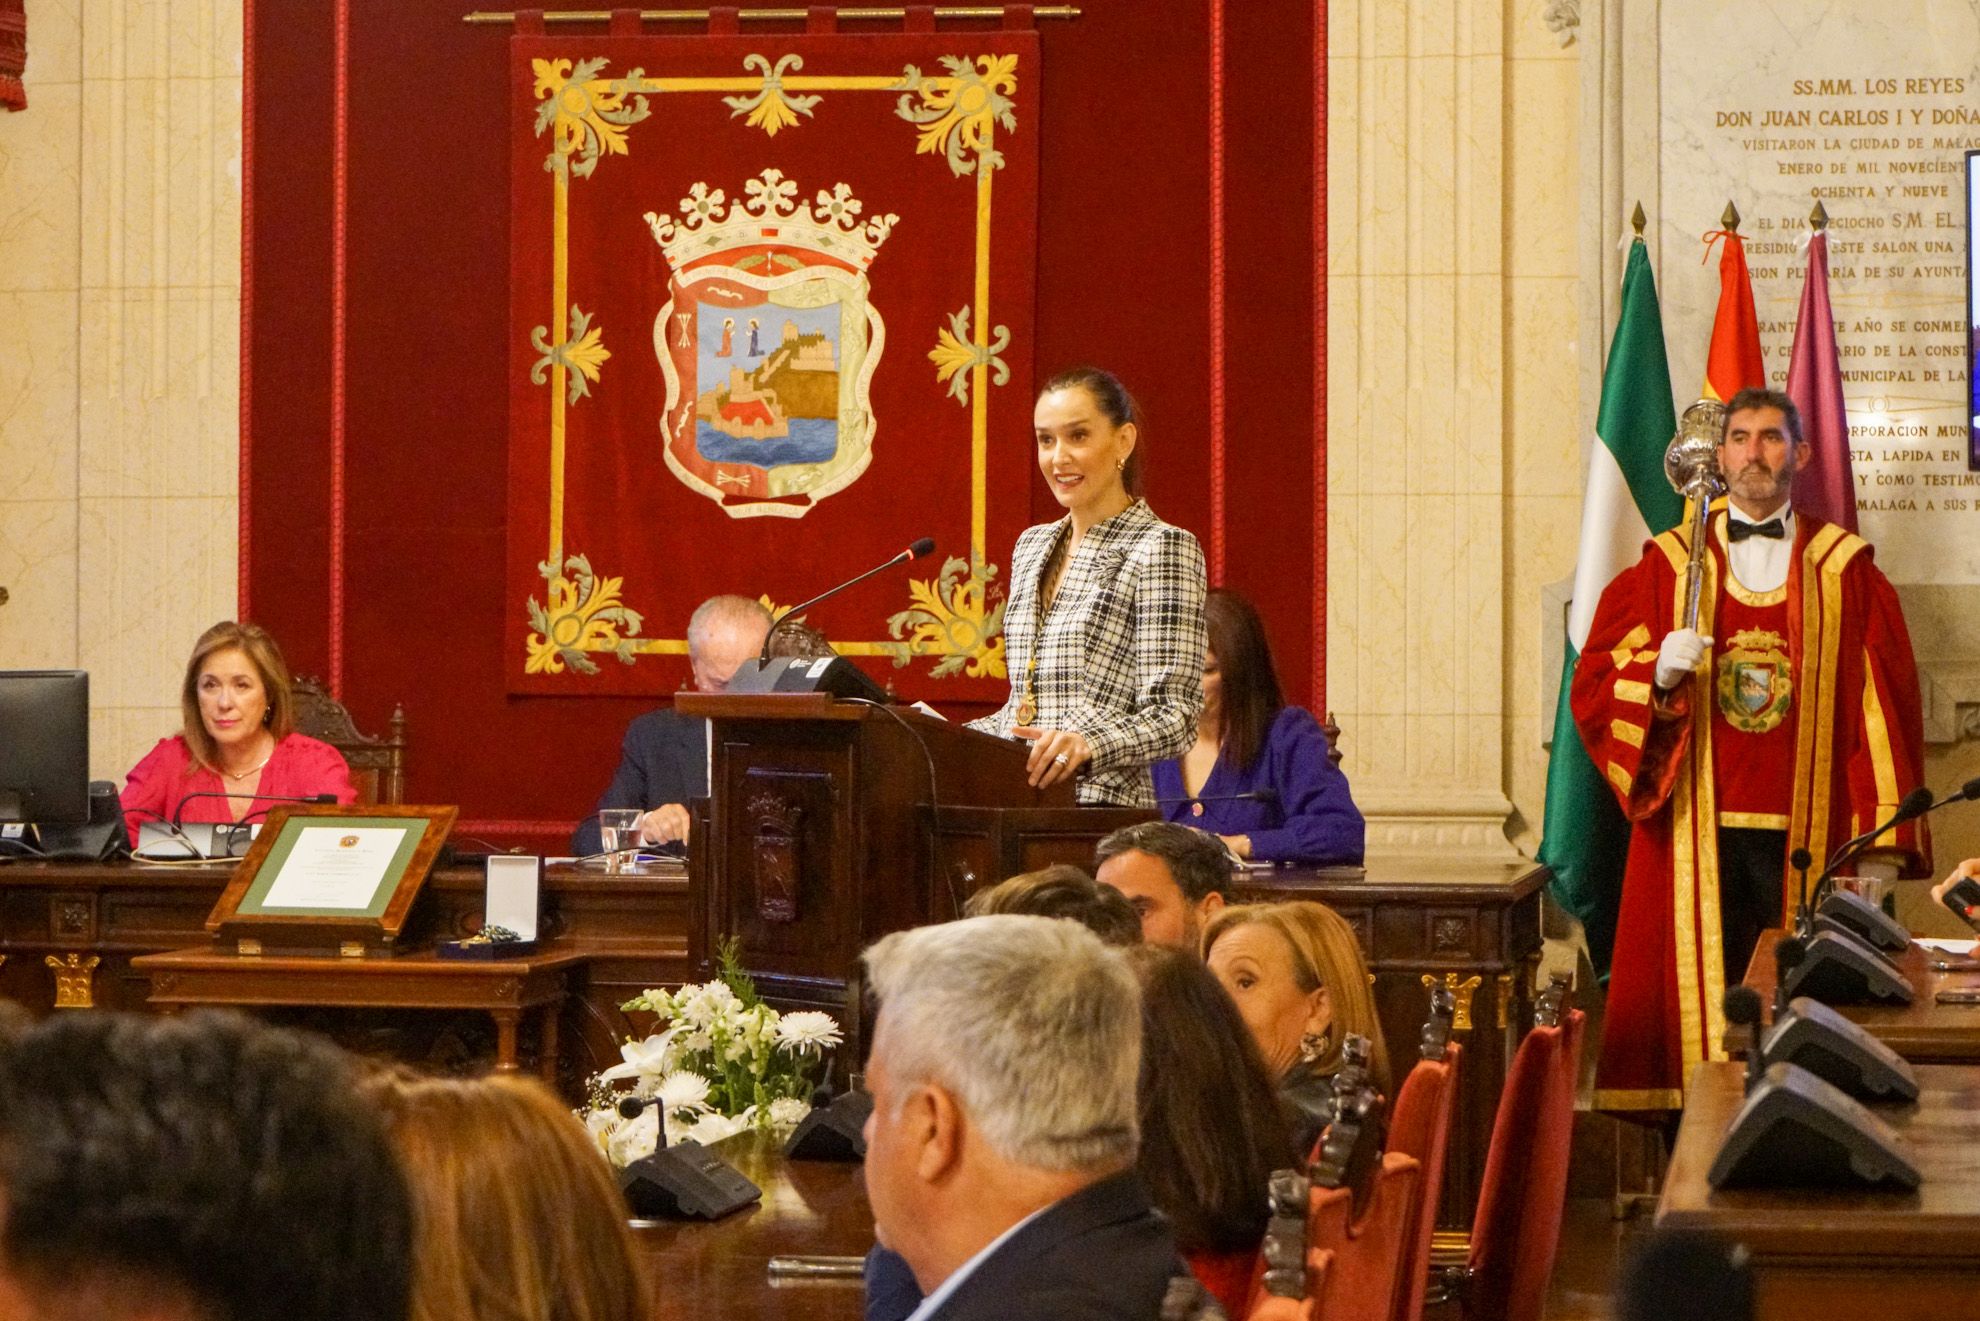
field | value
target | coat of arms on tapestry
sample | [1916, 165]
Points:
[771, 310]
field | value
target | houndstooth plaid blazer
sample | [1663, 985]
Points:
[1121, 656]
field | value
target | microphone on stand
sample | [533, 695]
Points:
[1914, 805]
[833, 675]
[925, 546]
[1249, 796]
[178, 812]
[1743, 1009]
[1789, 951]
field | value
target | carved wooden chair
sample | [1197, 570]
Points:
[378, 765]
[1517, 1229]
[1420, 1126]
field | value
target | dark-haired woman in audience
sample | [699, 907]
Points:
[238, 753]
[1103, 631]
[516, 1214]
[1298, 979]
[1212, 1125]
[1258, 774]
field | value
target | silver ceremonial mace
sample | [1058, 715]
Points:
[1692, 466]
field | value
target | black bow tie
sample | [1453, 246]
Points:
[1739, 531]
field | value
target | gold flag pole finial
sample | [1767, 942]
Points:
[1730, 220]
[1818, 219]
[1638, 220]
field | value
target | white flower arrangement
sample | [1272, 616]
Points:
[724, 1062]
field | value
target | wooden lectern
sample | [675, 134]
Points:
[831, 823]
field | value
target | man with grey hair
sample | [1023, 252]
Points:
[1175, 877]
[664, 760]
[1000, 1151]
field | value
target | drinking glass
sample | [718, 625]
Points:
[618, 830]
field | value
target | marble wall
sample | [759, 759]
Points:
[1453, 429]
[120, 352]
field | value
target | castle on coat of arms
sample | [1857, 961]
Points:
[800, 378]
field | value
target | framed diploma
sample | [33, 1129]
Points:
[330, 879]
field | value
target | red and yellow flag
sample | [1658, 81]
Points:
[1733, 362]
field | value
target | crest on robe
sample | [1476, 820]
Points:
[1756, 681]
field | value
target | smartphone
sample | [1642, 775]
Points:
[1964, 900]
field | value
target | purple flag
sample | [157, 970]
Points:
[1824, 486]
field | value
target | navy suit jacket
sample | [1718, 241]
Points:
[1103, 1254]
[664, 760]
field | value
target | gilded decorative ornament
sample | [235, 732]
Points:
[75, 976]
[581, 355]
[952, 618]
[590, 115]
[772, 108]
[958, 113]
[585, 614]
[954, 355]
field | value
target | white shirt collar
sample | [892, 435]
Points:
[1785, 512]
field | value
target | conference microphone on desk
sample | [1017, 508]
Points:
[178, 812]
[834, 675]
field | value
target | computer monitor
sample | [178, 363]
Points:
[44, 747]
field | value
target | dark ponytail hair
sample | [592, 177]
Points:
[1113, 399]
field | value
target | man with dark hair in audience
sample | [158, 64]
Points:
[203, 1168]
[1176, 878]
[1000, 1151]
[1062, 890]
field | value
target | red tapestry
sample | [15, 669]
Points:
[771, 314]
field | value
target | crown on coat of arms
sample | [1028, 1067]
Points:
[770, 213]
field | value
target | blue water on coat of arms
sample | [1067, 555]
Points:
[770, 384]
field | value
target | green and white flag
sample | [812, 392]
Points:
[1627, 499]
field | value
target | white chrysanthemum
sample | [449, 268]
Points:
[600, 1123]
[788, 1112]
[683, 1090]
[635, 1139]
[808, 1030]
[640, 1057]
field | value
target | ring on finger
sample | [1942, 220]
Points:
[1061, 759]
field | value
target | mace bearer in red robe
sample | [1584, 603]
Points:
[1787, 718]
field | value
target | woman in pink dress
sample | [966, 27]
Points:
[239, 753]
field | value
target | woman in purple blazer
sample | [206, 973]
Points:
[1258, 775]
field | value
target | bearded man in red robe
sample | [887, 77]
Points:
[1788, 719]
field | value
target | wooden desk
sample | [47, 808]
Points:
[1923, 1031]
[69, 931]
[705, 1271]
[1471, 927]
[507, 990]
[1895, 1256]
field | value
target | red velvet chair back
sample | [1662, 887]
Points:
[1517, 1229]
[1420, 1126]
[1353, 1267]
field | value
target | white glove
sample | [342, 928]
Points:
[1682, 652]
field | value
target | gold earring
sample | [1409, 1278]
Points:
[1120, 465]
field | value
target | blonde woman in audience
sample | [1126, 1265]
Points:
[516, 1215]
[1297, 976]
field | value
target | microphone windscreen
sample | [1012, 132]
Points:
[631, 1107]
[922, 548]
[1788, 952]
[1743, 1006]
[1915, 803]
[1971, 789]
[1801, 859]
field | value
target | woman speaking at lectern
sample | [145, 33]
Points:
[239, 748]
[1103, 631]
